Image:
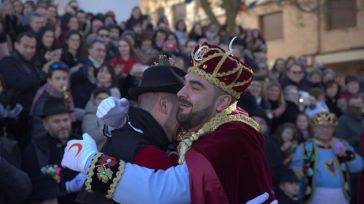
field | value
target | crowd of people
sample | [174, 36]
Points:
[80, 59]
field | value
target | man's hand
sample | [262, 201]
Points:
[76, 183]
[113, 111]
[261, 199]
[77, 153]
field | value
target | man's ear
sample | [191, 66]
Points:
[45, 124]
[163, 105]
[222, 102]
[16, 45]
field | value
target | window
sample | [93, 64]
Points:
[271, 26]
[341, 14]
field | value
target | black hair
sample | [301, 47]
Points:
[25, 34]
[101, 89]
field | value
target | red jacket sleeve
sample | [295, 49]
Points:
[152, 157]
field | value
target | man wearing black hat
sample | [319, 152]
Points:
[150, 128]
[42, 158]
[287, 192]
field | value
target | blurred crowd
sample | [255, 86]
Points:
[83, 58]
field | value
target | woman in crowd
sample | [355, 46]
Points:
[125, 59]
[181, 32]
[278, 69]
[276, 101]
[105, 77]
[196, 32]
[46, 47]
[332, 92]
[72, 48]
[135, 17]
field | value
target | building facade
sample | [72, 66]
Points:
[327, 31]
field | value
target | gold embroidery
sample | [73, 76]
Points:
[90, 172]
[120, 172]
[212, 125]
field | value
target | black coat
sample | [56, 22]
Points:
[290, 114]
[127, 141]
[284, 199]
[40, 153]
[21, 77]
[81, 86]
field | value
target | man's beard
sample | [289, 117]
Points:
[193, 119]
[62, 137]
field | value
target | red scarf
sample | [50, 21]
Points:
[126, 64]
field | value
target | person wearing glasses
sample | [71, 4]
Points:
[83, 77]
[23, 78]
[295, 75]
[111, 50]
[56, 87]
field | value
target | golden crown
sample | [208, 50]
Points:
[324, 118]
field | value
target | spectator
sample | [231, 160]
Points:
[83, 79]
[295, 75]
[52, 15]
[303, 127]
[287, 137]
[316, 103]
[288, 190]
[37, 21]
[293, 107]
[109, 19]
[23, 78]
[196, 32]
[332, 91]
[351, 123]
[105, 77]
[104, 34]
[71, 53]
[277, 71]
[56, 87]
[42, 158]
[276, 103]
[135, 17]
[181, 32]
[352, 87]
[46, 49]
[147, 50]
[125, 58]
[158, 39]
[315, 79]
[256, 89]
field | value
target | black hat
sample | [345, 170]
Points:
[161, 78]
[54, 106]
[287, 175]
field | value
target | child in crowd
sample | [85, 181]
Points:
[287, 192]
[287, 139]
[303, 126]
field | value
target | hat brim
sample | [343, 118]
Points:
[55, 113]
[136, 91]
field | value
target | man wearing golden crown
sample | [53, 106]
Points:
[323, 164]
[221, 152]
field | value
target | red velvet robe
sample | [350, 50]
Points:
[228, 166]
